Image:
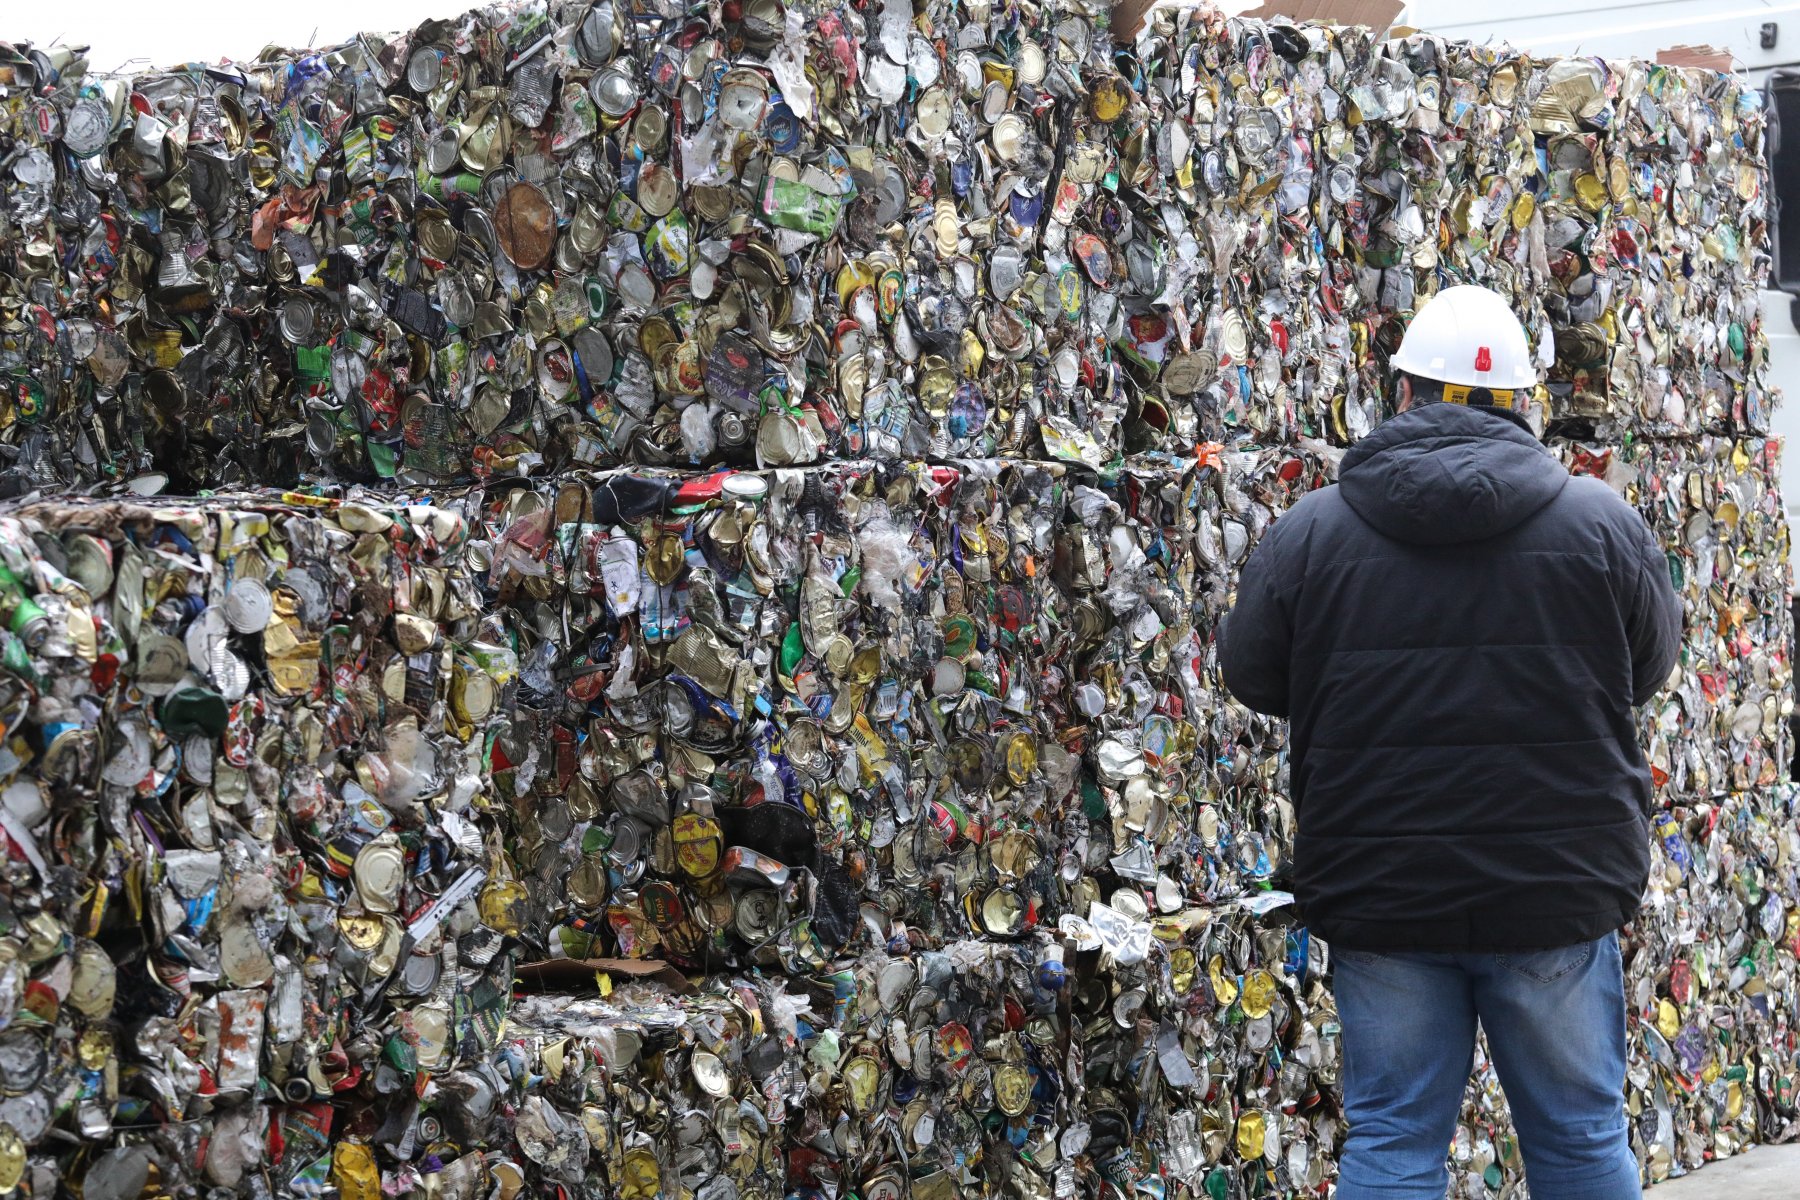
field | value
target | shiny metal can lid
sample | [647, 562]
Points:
[615, 91]
[248, 606]
[161, 660]
[23, 1058]
[441, 150]
[88, 127]
[425, 69]
[299, 320]
[595, 41]
[419, 974]
[380, 871]
[709, 1072]
[657, 189]
[755, 913]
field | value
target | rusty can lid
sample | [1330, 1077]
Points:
[525, 225]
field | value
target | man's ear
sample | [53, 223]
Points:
[1404, 393]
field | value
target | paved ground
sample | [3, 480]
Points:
[1763, 1173]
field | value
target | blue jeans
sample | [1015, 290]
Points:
[1555, 1022]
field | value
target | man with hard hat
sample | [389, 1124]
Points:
[1457, 632]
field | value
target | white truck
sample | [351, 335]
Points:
[1761, 38]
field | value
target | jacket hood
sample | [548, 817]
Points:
[1447, 473]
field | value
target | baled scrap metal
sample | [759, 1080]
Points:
[549, 235]
[1713, 963]
[1028, 811]
[1712, 979]
[902, 702]
[931, 1074]
[928, 729]
[1719, 727]
[245, 814]
[973, 700]
[934, 710]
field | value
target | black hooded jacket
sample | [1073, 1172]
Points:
[1457, 633]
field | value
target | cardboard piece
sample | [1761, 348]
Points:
[1128, 17]
[1376, 14]
[1710, 58]
[577, 974]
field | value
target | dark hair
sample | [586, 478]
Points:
[1424, 391]
[1431, 391]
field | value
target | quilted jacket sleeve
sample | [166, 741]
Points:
[1653, 625]
[1257, 636]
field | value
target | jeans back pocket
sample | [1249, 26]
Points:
[1547, 966]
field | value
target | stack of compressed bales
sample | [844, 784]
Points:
[808, 451]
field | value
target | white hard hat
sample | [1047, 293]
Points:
[1467, 335]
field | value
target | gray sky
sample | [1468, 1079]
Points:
[160, 33]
